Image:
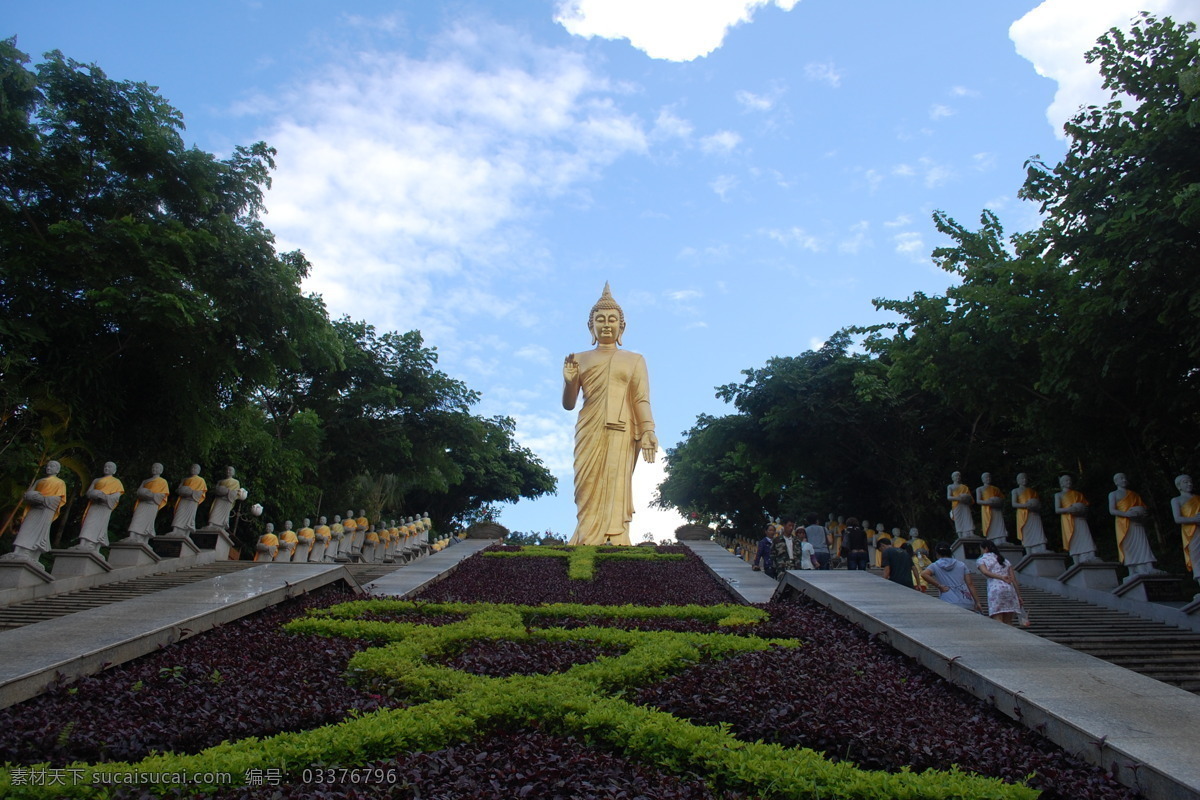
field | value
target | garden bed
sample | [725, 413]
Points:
[593, 698]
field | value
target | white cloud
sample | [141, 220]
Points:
[874, 179]
[899, 222]
[720, 142]
[670, 126]
[935, 174]
[857, 239]
[984, 162]
[754, 102]
[395, 174]
[723, 185]
[939, 111]
[552, 437]
[1055, 35]
[535, 353]
[825, 73]
[903, 171]
[815, 343]
[674, 30]
[683, 295]
[657, 522]
[910, 244]
[963, 91]
[795, 236]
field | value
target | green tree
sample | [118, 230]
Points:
[139, 290]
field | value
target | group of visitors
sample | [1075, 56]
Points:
[787, 546]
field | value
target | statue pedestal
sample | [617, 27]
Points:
[1042, 565]
[131, 554]
[1013, 553]
[20, 574]
[213, 538]
[1100, 575]
[173, 546]
[968, 549]
[1154, 589]
[78, 564]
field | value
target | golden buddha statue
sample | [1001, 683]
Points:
[614, 425]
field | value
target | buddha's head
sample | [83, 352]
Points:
[606, 320]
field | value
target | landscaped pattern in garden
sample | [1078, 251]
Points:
[477, 677]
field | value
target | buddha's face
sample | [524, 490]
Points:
[1120, 480]
[606, 326]
[110, 468]
[956, 477]
[1022, 479]
[1184, 482]
[987, 479]
[1064, 482]
[156, 469]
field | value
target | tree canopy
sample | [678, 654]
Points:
[145, 315]
[1070, 347]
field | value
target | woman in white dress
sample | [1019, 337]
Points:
[1004, 599]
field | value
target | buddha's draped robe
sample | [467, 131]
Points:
[614, 417]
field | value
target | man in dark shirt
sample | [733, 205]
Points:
[898, 565]
[854, 540]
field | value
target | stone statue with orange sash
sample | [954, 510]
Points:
[991, 503]
[43, 502]
[1133, 546]
[1186, 509]
[1029, 518]
[103, 496]
[267, 547]
[288, 542]
[306, 537]
[188, 496]
[959, 496]
[151, 497]
[1071, 507]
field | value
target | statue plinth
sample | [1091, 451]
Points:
[210, 537]
[78, 564]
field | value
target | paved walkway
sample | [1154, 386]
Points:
[33, 656]
[1104, 713]
[750, 586]
[426, 570]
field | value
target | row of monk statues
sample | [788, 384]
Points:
[44, 501]
[349, 538]
[1126, 506]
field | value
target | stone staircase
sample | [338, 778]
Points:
[1154, 649]
[44, 608]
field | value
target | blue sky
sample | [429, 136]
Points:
[748, 174]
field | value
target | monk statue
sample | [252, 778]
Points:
[188, 496]
[287, 543]
[1186, 509]
[614, 425]
[1072, 506]
[1129, 509]
[102, 496]
[1029, 518]
[991, 504]
[338, 534]
[959, 496]
[267, 546]
[43, 502]
[151, 497]
[306, 537]
[227, 492]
